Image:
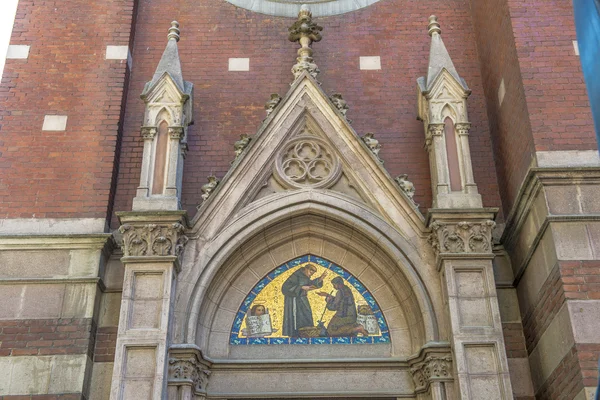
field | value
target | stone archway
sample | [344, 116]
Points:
[275, 230]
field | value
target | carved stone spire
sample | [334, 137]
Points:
[305, 32]
[169, 62]
[438, 55]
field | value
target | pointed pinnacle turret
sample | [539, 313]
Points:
[439, 58]
[169, 62]
[305, 31]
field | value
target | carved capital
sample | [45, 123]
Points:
[462, 128]
[148, 132]
[462, 237]
[187, 369]
[151, 240]
[434, 368]
[176, 132]
[432, 131]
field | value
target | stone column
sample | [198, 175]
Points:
[462, 241]
[148, 133]
[152, 245]
[176, 134]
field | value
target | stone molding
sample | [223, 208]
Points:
[187, 367]
[462, 237]
[535, 180]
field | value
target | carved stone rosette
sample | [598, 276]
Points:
[433, 368]
[153, 240]
[186, 367]
[462, 237]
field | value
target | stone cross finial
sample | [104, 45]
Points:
[174, 31]
[305, 31]
[434, 26]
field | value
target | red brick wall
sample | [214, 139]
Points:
[529, 45]
[579, 368]
[62, 174]
[44, 337]
[514, 340]
[106, 342]
[509, 122]
[555, 92]
[230, 103]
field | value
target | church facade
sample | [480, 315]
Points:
[260, 199]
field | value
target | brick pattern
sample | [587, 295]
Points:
[555, 92]
[549, 301]
[106, 342]
[577, 369]
[230, 103]
[514, 340]
[529, 45]
[63, 174]
[581, 279]
[509, 122]
[46, 337]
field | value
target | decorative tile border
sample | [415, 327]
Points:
[241, 314]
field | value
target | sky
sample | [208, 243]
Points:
[7, 18]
